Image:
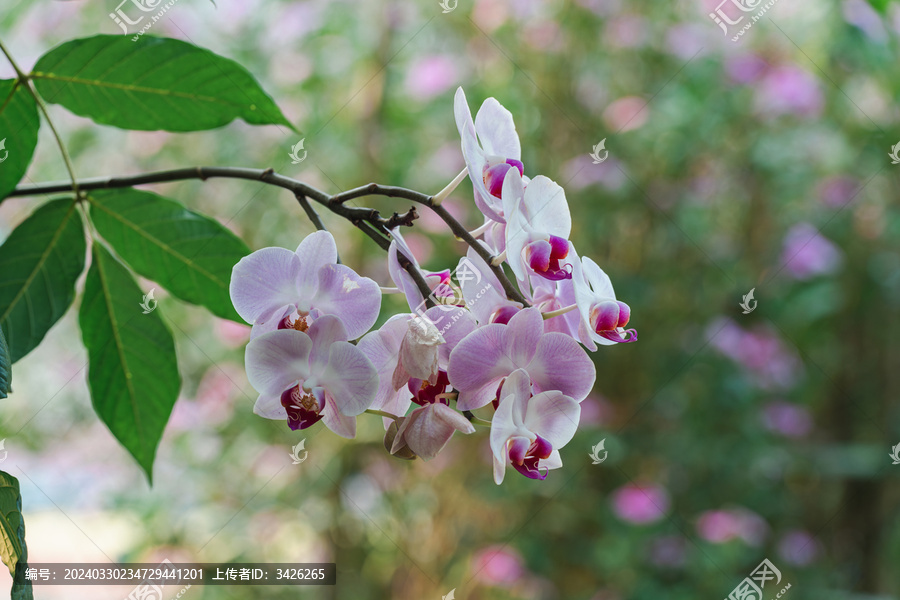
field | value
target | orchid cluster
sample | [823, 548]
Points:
[465, 347]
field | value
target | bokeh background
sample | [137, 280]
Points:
[732, 438]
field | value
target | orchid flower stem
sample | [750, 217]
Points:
[382, 413]
[480, 230]
[391, 290]
[442, 195]
[368, 220]
[475, 420]
[447, 395]
[559, 311]
[498, 260]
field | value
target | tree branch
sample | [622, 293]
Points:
[335, 203]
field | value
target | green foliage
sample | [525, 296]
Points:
[13, 550]
[5, 367]
[19, 123]
[40, 262]
[188, 254]
[133, 375]
[118, 82]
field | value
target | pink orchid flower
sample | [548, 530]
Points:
[491, 148]
[484, 358]
[427, 429]
[537, 227]
[274, 288]
[310, 376]
[385, 349]
[528, 431]
[603, 318]
[483, 292]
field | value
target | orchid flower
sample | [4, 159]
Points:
[312, 375]
[484, 358]
[491, 148]
[537, 228]
[274, 288]
[603, 318]
[384, 348]
[483, 292]
[528, 431]
[427, 429]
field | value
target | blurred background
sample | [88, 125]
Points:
[759, 164]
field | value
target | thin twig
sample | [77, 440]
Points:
[334, 203]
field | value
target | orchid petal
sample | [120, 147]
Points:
[270, 407]
[353, 298]
[315, 251]
[428, 429]
[339, 423]
[477, 364]
[553, 416]
[276, 360]
[497, 131]
[264, 281]
[324, 331]
[559, 363]
[350, 378]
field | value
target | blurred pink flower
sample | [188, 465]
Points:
[232, 334]
[788, 89]
[498, 566]
[759, 351]
[798, 548]
[787, 419]
[687, 40]
[808, 253]
[640, 503]
[596, 410]
[835, 192]
[720, 526]
[626, 114]
[429, 76]
[581, 172]
[626, 31]
[744, 68]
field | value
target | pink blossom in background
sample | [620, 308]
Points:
[787, 419]
[745, 68]
[596, 410]
[626, 31]
[232, 334]
[626, 114]
[581, 172]
[640, 503]
[720, 526]
[759, 351]
[687, 41]
[835, 192]
[798, 548]
[498, 566]
[429, 76]
[789, 90]
[668, 551]
[807, 253]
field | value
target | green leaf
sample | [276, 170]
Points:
[19, 123]
[39, 262]
[5, 367]
[13, 550]
[152, 83]
[187, 253]
[133, 375]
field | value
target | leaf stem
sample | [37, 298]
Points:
[24, 80]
